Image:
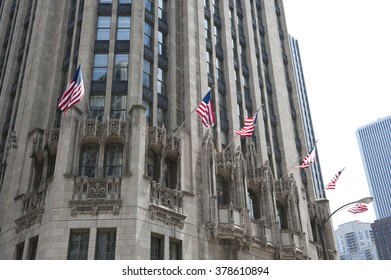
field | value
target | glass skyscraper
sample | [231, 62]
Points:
[375, 146]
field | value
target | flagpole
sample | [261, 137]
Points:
[188, 117]
[236, 135]
[296, 162]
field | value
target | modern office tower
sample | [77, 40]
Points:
[374, 140]
[306, 117]
[355, 241]
[130, 172]
[382, 232]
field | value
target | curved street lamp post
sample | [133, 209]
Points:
[365, 200]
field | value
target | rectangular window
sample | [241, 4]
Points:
[161, 82]
[78, 244]
[125, 2]
[220, 69]
[215, 7]
[148, 35]
[207, 29]
[89, 160]
[105, 244]
[217, 33]
[162, 10]
[161, 44]
[19, 251]
[175, 249]
[97, 106]
[113, 160]
[118, 107]
[223, 106]
[121, 67]
[33, 245]
[147, 74]
[157, 245]
[123, 28]
[148, 5]
[100, 67]
[148, 112]
[103, 29]
[161, 117]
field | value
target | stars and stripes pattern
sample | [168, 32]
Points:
[205, 110]
[249, 126]
[358, 208]
[74, 93]
[331, 185]
[308, 159]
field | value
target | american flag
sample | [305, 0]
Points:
[205, 110]
[249, 126]
[358, 208]
[74, 92]
[308, 159]
[331, 185]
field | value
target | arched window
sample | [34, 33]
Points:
[170, 173]
[153, 165]
[251, 204]
[283, 215]
[113, 160]
[222, 189]
[89, 160]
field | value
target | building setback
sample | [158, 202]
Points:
[130, 172]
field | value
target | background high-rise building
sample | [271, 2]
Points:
[130, 172]
[355, 241]
[375, 146]
[307, 121]
[374, 140]
[382, 232]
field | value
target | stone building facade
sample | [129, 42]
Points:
[130, 172]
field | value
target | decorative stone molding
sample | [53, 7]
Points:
[93, 196]
[94, 207]
[33, 206]
[167, 216]
[166, 197]
[87, 188]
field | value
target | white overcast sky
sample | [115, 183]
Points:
[345, 48]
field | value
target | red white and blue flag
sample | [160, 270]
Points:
[249, 126]
[358, 208]
[74, 93]
[205, 110]
[308, 159]
[331, 185]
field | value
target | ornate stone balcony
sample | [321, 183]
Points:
[166, 205]
[291, 241]
[90, 128]
[157, 138]
[51, 139]
[96, 196]
[33, 205]
[225, 159]
[95, 129]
